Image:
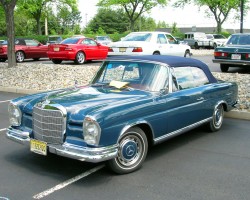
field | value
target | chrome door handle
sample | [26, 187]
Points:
[200, 99]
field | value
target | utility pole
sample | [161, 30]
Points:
[241, 15]
[46, 26]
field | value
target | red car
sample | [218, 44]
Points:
[77, 49]
[24, 48]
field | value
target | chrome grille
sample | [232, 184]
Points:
[48, 125]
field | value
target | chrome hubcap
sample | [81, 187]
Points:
[130, 151]
[19, 56]
[80, 57]
[218, 116]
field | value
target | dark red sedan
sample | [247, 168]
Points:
[25, 48]
[77, 49]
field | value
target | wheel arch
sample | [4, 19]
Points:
[224, 104]
[20, 50]
[144, 125]
[156, 51]
[81, 50]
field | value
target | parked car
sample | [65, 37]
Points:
[54, 39]
[235, 53]
[104, 40]
[198, 40]
[149, 43]
[77, 49]
[25, 49]
[218, 39]
[1, 41]
[131, 103]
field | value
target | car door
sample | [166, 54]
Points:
[90, 49]
[169, 46]
[34, 49]
[186, 104]
[189, 100]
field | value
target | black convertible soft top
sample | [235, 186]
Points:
[172, 61]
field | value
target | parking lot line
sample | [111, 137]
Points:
[3, 129]
[66, 183]
[5, 101]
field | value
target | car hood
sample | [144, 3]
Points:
[82, 101]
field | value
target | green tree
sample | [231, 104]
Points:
[2, 21]
[8, 7]
[219, 9]
[68, 18]
[109, 20]
[37, 8]
[162, 24]
[133, 9]
[145, 24]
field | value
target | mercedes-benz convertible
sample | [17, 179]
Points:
[131, 103]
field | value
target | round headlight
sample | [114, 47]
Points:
[91, 131]
[15, 115]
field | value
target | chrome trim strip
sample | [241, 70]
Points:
[180, 131]
[18, 136]
[232, 62]
[68, 150]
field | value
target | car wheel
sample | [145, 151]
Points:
[56, 61]
[3, 59]
[187, 54]
[156, 53]
[36, 59]
[133, 148]
[20, 56]
[215, 45]
[196, 46]
[80, 58]
[217, 118]
[224, 68]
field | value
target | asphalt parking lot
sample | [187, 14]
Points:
[198, 165]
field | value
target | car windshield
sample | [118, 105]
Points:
[200, 35]
[219, 37]
[209, 36]
[133, 75]
[54, 38]
[138, 37]
[102, 38]
[239, 40]
[70, 41]
[3, 42]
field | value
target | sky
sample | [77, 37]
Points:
[189, 16]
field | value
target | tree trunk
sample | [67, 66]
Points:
[219, 27]
[9, 17]
[38, 25]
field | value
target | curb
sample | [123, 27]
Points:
[238, 115]
[232, 114]
[19, 90]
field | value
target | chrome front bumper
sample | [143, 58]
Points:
[68, 150]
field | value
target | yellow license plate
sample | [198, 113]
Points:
[122, 49]
[56, 49]
[38, 147]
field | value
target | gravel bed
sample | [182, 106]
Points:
[42, 77]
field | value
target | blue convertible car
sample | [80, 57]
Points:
[131, 103]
